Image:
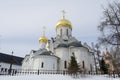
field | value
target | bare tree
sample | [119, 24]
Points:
[110, 25]
[116, 60]
[110, 30]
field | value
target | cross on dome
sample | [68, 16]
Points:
[63, 12]
[43, 30]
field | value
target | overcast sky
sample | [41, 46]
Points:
[21, 21]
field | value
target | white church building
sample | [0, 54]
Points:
[55, 54]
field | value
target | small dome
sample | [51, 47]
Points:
[63, 22]
[43, 39]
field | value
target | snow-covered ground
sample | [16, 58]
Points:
[56, 77]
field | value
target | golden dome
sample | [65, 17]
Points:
[43, 39]
[63, 22]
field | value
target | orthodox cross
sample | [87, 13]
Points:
[63, 14]
[44, 30]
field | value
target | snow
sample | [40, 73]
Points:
[56, 77]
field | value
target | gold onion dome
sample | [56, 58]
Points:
[63, 22]
[43, 39]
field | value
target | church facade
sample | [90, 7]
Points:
[55, 54]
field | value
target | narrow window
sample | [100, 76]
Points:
[83, 64]
[65, 64]
[42, 65]
[5, 69]
[53, 66]
[91, 67]
[2, 69]
[61, 32]
[73, 53]
[67, 32]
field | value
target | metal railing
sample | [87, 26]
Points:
[16, 72]
[5, 71]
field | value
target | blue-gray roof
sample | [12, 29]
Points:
[45, 53]
[75, 44]
[63, 45]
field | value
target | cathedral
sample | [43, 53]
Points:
[55, 53]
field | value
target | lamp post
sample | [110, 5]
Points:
[11, 62]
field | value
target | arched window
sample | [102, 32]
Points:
[42, 65]
[5, 69]
[83, 64]
[2, 69]
[61, 32]
[73, 53]
[67, 32]
[91, 67]
[65, 64]
[53, 66]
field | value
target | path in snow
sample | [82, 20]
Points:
[55, 77]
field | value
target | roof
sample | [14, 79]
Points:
[11, 59]
[63, 45]
[45, 53]
[75, 44]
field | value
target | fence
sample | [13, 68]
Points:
[5, 71]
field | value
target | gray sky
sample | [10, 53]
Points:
[21, 21]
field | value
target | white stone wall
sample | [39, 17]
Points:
[49, 62]
[42, 45]
[81, 54]
[64, 32]
[92, 62]
[63, 54]
[25, 63]
[7, 65]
